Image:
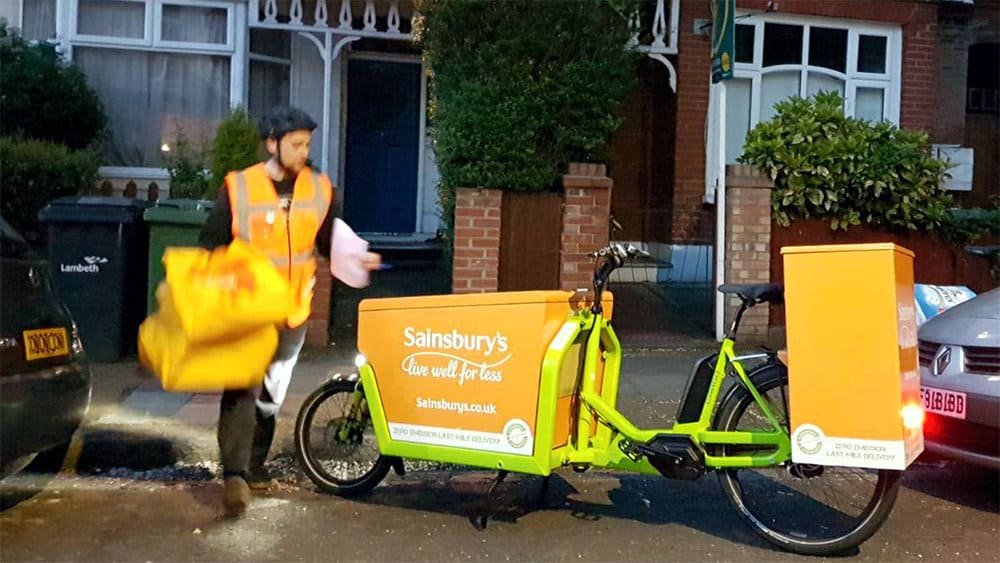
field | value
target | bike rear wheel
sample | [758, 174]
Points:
[807, 509]
[335, 441]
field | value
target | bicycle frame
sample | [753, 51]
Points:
[602, 434]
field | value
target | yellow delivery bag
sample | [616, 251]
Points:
[181, 365]
[226, 293]
[217, 323]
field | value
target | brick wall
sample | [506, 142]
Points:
[585, 222]
[318, 329]
[477, 240]
[693, 67]
[748, 247]
[919, 95]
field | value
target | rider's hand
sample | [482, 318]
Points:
[371, 261]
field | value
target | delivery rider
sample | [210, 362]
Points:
[282, 208]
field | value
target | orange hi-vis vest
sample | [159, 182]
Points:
[286, 235]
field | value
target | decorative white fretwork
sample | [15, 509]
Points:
[382, 19]
[270, 11]
[664, 37]
[660, 38]
[320, 14]
[394, 17]
[370, 16]
[663, 31]
[346, 18]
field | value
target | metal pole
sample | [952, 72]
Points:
[327, 80]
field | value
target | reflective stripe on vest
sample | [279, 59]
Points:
[256, 208]
[243, 210]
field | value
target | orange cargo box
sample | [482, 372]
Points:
[464, 370]
[852, 355]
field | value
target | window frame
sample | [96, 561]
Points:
[235, 49]
[76, 37]
[152, 38]
[890, 80]
[227, 47]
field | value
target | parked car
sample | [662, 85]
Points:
[44, 378]
[960, 381]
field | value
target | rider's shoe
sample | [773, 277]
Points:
[260, 478]
[235, 496]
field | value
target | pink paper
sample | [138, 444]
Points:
[347, 253]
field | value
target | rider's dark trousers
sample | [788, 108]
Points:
[246, 416]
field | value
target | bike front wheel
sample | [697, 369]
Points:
[807, 509]
[335, 441]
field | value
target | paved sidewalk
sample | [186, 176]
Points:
[134, 423]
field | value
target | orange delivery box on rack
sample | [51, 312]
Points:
[464, 371]
[854, 384]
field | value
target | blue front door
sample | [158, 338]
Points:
[383, 126]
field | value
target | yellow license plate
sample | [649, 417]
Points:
[45, 343]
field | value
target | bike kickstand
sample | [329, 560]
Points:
[479, 521]
[545, 490]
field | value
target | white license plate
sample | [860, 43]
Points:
[943, 402]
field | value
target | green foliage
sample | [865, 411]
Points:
[43, 97]
[846, 170]
[186, 164]
[36, 172]
[965, 226]
[521, 88]
[236, 146]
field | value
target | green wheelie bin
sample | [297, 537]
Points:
[172, 222]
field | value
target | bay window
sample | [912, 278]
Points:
[162, 68]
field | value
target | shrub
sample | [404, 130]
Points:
[964, 226]
[43, 97]
[188, 169]
[846, 170]
[236, 146]
[521, 88]
[32, 173]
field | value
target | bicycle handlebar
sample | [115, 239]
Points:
[614, 255]
[616, 250]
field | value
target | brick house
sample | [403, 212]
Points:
[163, 66]
[921, 64]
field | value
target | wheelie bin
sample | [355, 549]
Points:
[172, 222]
[97, 252]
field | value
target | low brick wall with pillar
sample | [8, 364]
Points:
[585, 222]
[748, 243]
[318, 331]
[477, 240]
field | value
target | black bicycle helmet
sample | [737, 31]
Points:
[285, 120]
